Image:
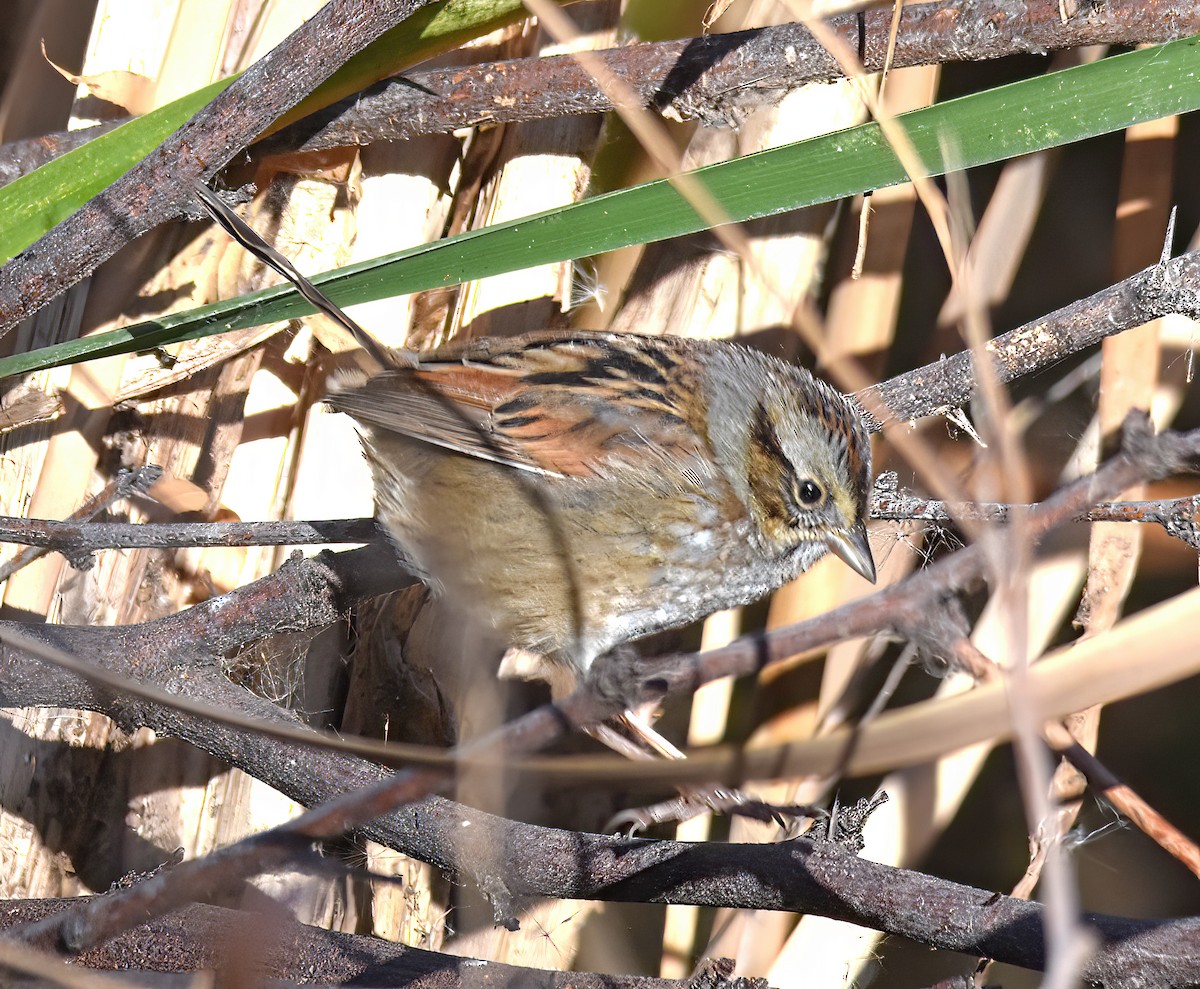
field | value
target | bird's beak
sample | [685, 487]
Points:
[852, 546]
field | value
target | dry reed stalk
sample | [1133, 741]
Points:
[894, 834]
[53, 471]
[194, 433]
[1129, 374]
[860, 322]
[719, 294]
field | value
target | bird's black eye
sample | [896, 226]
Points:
[809, 492]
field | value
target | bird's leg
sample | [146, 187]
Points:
[695, 800]
[621, 668]
[638, 725]
[692, 800]
[640, 742]
[632, 735]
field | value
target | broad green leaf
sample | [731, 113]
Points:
[997, 124]
[34, 203]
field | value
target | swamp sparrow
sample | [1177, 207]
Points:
[572, 492]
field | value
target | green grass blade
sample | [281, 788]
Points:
[34, 203]
[997, 124]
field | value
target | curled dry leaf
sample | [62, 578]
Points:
[132, 92]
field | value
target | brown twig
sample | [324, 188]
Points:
[1124, 798]
[77, 540]
[719, 77]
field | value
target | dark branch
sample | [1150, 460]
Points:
[192, 937]
[201, 937]
[1160, 290]
[797, 876]
[715, 79]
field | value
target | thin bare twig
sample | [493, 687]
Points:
[125, 485]
[75, 540]
[1162, 289]
[1177, 515]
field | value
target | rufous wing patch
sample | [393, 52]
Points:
[564, 407]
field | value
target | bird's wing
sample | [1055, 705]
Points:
[576, 406]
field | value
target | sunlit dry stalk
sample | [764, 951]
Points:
[1009, 553]
[1056, 735]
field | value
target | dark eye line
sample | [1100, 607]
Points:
[763, 430]
[768, 439]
